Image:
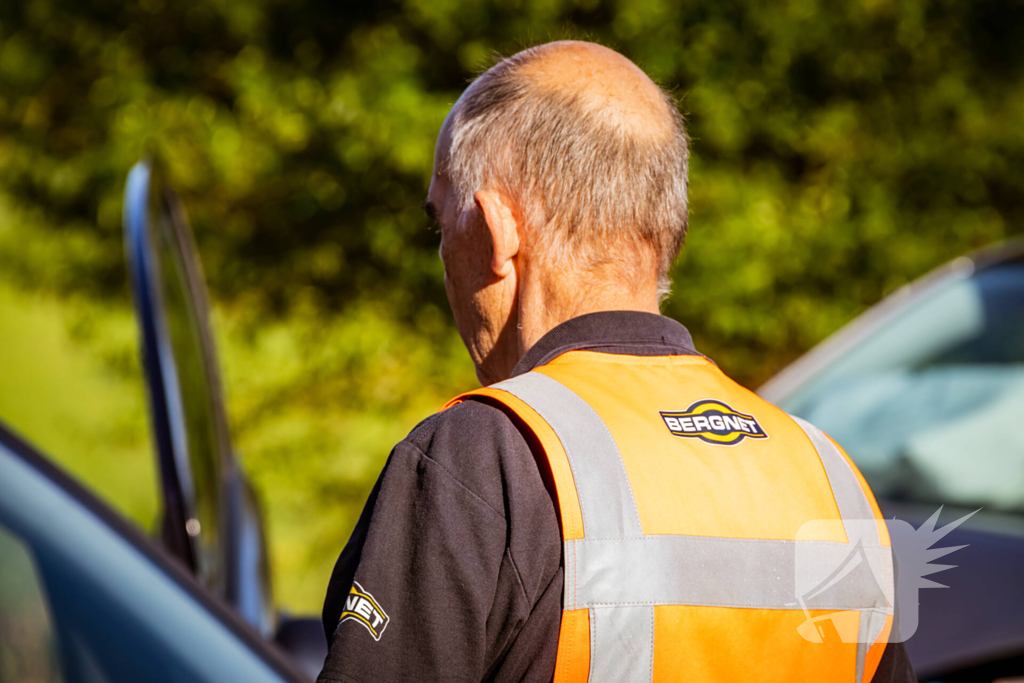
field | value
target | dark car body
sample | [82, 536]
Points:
[925, 392]
[85, 598]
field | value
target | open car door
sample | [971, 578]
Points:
[211, 521]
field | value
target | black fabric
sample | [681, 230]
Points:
[634, 333]
[460, 545]
[895, 666]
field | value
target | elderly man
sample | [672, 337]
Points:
[610, 506]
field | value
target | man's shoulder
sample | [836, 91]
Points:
[469, 420]
[470, 439]
[483, 448]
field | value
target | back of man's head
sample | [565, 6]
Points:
[590, 149]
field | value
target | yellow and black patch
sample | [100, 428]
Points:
[713, 422]
[362, 607]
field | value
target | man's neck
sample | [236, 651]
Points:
[545, 303]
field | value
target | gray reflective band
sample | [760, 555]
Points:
[622, 644]
[714, 571]
[849, 496]
[619, 574]
[606, 499]
[871, 624]
[854, 505]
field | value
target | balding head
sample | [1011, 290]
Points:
[603, 82]
[590, 150]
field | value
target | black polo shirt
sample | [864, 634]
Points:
[456, 561]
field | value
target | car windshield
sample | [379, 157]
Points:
[931, 405]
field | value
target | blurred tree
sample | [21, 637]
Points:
[840, 150]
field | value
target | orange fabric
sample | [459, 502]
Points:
[657, 462]
[573, 660]
[727, 644]
[565, 486]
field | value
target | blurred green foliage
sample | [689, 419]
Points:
[839, 150]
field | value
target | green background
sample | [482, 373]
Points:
[839, 151]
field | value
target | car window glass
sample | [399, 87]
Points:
[930, 405]
[192, 370]
[27, 645]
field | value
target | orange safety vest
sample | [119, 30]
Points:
[690, 546]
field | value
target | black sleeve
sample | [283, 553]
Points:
[894, 666]
[426, 588]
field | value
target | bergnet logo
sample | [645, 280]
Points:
[714, 422]
[363, 608]
[848, 590]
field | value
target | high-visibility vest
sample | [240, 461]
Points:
[707, 535]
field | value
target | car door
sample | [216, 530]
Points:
[84, 598]
[211, 521]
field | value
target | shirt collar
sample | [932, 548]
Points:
[632, 333]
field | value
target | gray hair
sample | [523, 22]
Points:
[587, 185]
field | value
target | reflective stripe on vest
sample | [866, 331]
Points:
[619, 575]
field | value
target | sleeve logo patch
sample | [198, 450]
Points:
[362, 607]
[714, 422]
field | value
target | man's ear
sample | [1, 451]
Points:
[503, 226]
